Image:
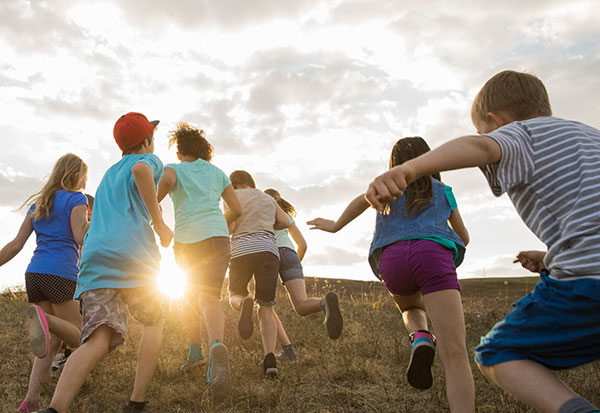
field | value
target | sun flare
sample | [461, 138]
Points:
[171, 279]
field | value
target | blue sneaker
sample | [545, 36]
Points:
[422, 352]
[195, 357]
[217, 374]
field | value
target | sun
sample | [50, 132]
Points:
[171, 279]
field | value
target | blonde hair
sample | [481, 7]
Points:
[66, 174]
[520, 95]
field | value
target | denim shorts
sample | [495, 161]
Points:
[556, 325]
[418, 265]
[289, 265]
[264, 266]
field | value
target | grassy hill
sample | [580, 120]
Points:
[363, 371]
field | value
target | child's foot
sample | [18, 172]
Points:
[287, 354]
[39, 335]
[245, 322]
[26, 407]
[270, 365]
[59, 362]
[136, 407]
[333, 317]
[195, 357]
[217, 375]
[422, 351]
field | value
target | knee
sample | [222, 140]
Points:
[453, 352]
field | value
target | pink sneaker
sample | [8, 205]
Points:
[39, 335]
[27, 408]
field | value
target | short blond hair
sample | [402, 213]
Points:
[519, 95]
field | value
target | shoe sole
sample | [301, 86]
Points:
[419, 369]
[220, 382]
[245, 326]
[39, 335]
[271, 372]
[333, 320]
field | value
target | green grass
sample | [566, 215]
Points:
[363, 371]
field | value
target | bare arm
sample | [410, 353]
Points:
[166, 184]
[282, 221]
[531, 260]
[464, 152]
[299, 240]
[233, 205]
[458, 226]
[79, 223]
[144, 181]
[356, 207]
[15, 246]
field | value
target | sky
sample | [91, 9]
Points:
[308, 96]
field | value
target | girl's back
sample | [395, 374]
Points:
[259, 211]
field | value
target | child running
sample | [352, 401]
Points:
[57, 214]
[550, 168]
[202, 242]
[292, 278]
[119, 264]
[254, 253]
[415, 253]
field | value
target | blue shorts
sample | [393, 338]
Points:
[289, 265]
[556, 325]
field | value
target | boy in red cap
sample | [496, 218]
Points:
[119, 264]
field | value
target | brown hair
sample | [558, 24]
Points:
[139, 146]
[520, 95]
[66, 174]
[190, 141]
[285, 205]
[420, 192]
[241, 178]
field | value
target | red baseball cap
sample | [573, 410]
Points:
[132, 129]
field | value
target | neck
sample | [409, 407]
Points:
[188, 158]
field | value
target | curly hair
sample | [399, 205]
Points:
[190, 141]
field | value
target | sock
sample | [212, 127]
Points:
[577, 405]
[137, 405]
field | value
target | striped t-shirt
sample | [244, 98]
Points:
[252, 242]
[550, 169]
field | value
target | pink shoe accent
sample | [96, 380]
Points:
[39, 334]
[27, 408]
[419, 334]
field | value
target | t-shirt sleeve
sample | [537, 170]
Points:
[225, 182]
[450, 197]
[76, 199]
[155, 165]
[291, 219]
[516, 163]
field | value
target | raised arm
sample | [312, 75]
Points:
[356, 207]
[144, 181]
[464, 152]
[15, 246]
[233, 206]
[166, 184]
[299, 240]
[458, 226]
[79, 223]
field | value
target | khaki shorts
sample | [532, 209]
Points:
[111, 306]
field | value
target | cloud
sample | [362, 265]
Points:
[335, 256]
[14, 189]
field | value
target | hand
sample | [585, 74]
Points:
[164, 233]
[323, 224]
[387, 187]
[531, 260]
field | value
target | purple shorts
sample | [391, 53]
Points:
[418, 264]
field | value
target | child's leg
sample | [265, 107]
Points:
[413, 312]
[66, 322]
[78, 367]
[268, 328]
[148, 353]
[446, 314]
[303, 305]
[281, 334]
[214, 318]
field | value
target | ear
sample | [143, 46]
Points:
[178, 156]
[499, 118]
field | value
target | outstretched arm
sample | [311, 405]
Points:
[144, 181]
[166, 184]
[459, 153]
[356, 207]
[15, 246]
[233, 205]
[299, 240]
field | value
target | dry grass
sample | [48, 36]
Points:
[362, 371]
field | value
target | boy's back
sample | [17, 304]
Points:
[120, 250]
[550, 168]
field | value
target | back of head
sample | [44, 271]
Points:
[519, 95]
[190, 141]
[419, 193]
[132, 131]
[67, 174]
[241, 179]
[285, 205]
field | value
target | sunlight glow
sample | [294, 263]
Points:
[171, 280]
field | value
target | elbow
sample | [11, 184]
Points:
[465, 238]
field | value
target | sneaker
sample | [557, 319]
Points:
[422, 352]
[47, 410]
[59, 362]
[245, 326]
[287, 354]
[270, 365]
[130, 408]
[39, 335]
[217, 375]
[333, 317]
[195, 357]
[26, 407]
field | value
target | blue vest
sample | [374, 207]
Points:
[430, 223]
